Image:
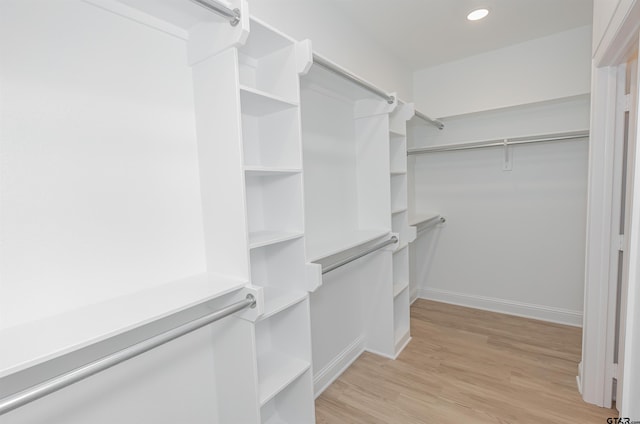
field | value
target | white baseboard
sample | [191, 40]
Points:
[337, 366]
[527, 310]
[579, 377]
[413, 296]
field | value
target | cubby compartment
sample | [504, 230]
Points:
[281, 269]
[400, 271]
[401, 320]
[283, 347]
[399, 193]
[267, 63]
[293, 405]
[272, 140]
[398, 154]
[274, 207]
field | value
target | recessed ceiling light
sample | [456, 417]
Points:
[477, 14]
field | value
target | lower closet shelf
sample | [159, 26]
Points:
[399, 287]
[277, 299]
[329, 246]
[275, 371]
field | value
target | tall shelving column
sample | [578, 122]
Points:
[213, 58]
[268, 69]
[400, 223]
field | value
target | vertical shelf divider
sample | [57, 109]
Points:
[400, 224]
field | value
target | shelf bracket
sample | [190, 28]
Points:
[508, 156]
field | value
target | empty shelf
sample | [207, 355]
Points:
[339, 243]
[37, 342]
[265, 171]
[276, 370]
[277, 299]
[399, 287]
[265, 238]
[259, 103]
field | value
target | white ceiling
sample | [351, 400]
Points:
[424, 33]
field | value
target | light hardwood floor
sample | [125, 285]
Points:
[466, 366]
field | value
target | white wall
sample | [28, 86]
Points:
[338, 39]
[547, 68]
[514, 240]
[100, 192]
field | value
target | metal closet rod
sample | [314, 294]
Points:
[319, 60]
[431, 121]
[501, 143]
[43, 389]
[372, 249]
[232, 15]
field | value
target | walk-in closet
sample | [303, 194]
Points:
[245, 212]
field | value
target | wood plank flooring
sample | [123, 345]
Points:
[466, 366]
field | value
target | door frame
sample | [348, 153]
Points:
[595, 369]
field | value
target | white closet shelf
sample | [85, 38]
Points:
[259, 103]
[39, 341]
[348, 240]
[400, 210]
[398, 172]
[399, 287]
[265, 238]
[422, 218]
[266, 171]
[277, 300]
[396, 135]
[276, 371]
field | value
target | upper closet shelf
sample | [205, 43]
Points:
[332, 67]
[175, 17]
[333, 246]
[426, 220]
[422, 218]
[512, 141]
[335, 81]
[36, 342]
[264, 40]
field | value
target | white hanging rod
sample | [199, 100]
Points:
[319, 60]
[372, 249]
[43, 389]
[232, 15]
[501, 143]
[439, 124]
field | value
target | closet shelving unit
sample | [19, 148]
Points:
[268, 73]
[354, 154]
[259, 228]
[345, 159]
[400, 223]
